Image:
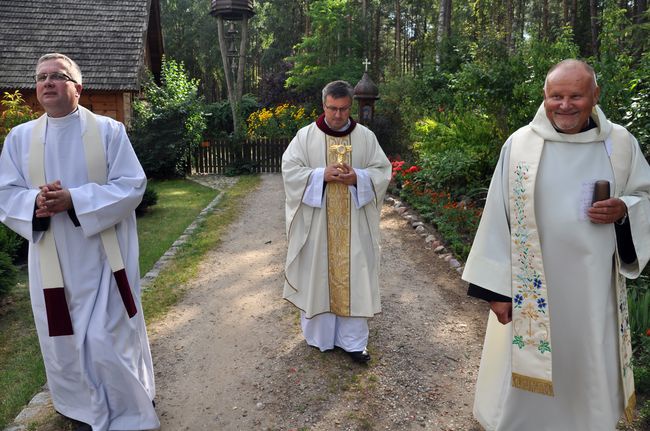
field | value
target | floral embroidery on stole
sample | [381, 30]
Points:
[531, 344]
[531, 326]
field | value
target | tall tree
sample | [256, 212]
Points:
[444, 27]
[593, 9]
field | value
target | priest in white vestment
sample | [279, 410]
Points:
[69, 183]
[551, 261]
[335, 177]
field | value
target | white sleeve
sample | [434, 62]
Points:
[363, 193]
[313, 196]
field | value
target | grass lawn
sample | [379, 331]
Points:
[179, 202]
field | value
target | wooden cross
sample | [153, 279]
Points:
[366, 63]
[340, 150]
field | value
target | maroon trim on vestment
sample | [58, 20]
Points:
[58, 315]
[320, 122]
[125, 292]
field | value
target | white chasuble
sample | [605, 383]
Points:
[564, 277]
[102, 373]
[333, 252]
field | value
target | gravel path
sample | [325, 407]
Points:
[230, 356]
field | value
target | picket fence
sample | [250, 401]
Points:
[257, 155]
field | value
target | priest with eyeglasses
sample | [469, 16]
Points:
[69, 184]
[335, 177]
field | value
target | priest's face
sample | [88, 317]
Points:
[337, 111]
[56, 90]
[570, 93]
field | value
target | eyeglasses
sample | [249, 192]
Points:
[54, 76]
[339, 110]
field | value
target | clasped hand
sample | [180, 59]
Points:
[52, 199]
[340, 173]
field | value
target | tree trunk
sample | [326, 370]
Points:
[242, 59]
[442, 29]
[521, 19]
[641, 8]
[510, 17]
[593, 9]
[545, 30]
[227, 72]
[307, 19]
[377, 44]
[398, 38]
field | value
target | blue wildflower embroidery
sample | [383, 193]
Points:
[529, 290]
[518, 300]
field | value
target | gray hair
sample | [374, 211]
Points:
[572, 62]
[73, 68]
[338, 89]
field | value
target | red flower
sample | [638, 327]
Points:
[647, 332]
[412, 169]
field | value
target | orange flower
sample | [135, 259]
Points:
[647, 332]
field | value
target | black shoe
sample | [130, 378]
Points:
[80, 426]
[360, 357]
[77, 425]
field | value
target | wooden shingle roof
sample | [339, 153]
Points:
[107, 38]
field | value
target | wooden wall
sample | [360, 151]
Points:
[112, 104]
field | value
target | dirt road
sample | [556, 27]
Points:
[230, 356]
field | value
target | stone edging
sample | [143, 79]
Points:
[428, 233]
[41, 404]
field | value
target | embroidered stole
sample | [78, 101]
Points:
[531, 326]
[338, 232]
[56, 306]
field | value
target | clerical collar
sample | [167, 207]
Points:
[63, 121]
[320, 122]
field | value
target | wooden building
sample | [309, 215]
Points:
[112, 41]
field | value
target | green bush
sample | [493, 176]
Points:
[149, 199]
[14, 112]
[456, 152]
[219, 116]
[169, 123]
[8, 273]
[639, 313]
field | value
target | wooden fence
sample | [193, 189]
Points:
[259, 155]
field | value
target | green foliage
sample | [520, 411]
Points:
[149, 199]
[614, 67]
[457, 152]
[10, 244]
[241, 167]
[637, 115]
[21, 365]
[639, 309]
[282, 121]
[331, 51]
[14, 112]
[219, 116]
[190, 37]
[8, 273]
[456, 220]
[168, 123]
[644, 415]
